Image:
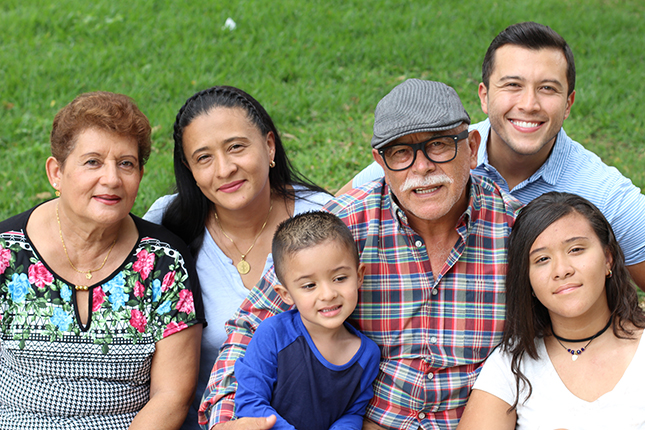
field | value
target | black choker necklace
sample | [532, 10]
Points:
[586, 338]
[576, 352]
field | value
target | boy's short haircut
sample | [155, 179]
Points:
[306, 230]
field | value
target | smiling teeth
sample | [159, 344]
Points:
[525, 124]
[330, 309]
[422, 191]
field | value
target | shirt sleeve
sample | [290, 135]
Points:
[262, 302]
[371, 173]
[256, 374]
[496, 377]
[158, 208]
[624, 209]
[176, 296]
[353, 418]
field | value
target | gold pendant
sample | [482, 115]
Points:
[88, 275]
[243, 267]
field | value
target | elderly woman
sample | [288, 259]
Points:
[101, 311]
[234, 186]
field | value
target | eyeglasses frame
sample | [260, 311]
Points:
[416, 147]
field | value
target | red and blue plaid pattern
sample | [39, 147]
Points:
[434, 328]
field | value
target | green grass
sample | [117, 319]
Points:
[318, 67]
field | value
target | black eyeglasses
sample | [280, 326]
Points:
[439, 149]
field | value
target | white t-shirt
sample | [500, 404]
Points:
[552, 406]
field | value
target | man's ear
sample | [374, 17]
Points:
[474, 139]
[379, 160]
[570, 99]
[284, 294]
[377, 157]
[483, 97]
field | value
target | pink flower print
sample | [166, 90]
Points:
[139, 289]
[174, 327]
[39, 275]
[186, 303]
[138, 320]
[168, 281]
[144, 264]
[5, 259]
[97, 299]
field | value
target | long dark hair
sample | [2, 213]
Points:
[187, 214]
[526, 317]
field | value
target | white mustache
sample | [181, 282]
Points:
[426, 181]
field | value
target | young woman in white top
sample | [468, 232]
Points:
[571, 355]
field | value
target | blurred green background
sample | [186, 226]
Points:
[318, 67]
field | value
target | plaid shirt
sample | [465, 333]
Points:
[433, 334]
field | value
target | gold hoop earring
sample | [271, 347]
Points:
[610, 274]
[272, 164]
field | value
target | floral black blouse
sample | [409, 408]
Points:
[55, 372]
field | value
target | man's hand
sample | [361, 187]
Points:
[371, 425]
[247, 424]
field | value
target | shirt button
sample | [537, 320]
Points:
[433, 339]
[421, 415]
[418, 243]
[430, 375]
[435, 291]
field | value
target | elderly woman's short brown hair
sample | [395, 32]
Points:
[106, 111]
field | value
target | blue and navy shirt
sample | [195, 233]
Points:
[283, 373]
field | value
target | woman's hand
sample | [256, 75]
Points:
[173, 380]
[247, 424]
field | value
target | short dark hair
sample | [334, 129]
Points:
[187, 214]
[526, 317]
[530, 35]
[306, 230]
[115, 113]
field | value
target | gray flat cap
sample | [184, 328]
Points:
[416, 106]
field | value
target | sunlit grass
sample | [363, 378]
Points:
[318, 67]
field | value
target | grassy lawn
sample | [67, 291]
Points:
[318, 67]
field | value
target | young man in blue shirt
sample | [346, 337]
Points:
[527, 90]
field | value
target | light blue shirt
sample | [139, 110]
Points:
[222, 288]
[573, 169]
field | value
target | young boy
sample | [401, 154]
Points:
[308, 366]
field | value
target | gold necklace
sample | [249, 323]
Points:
[243, 267]
[87, 273]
